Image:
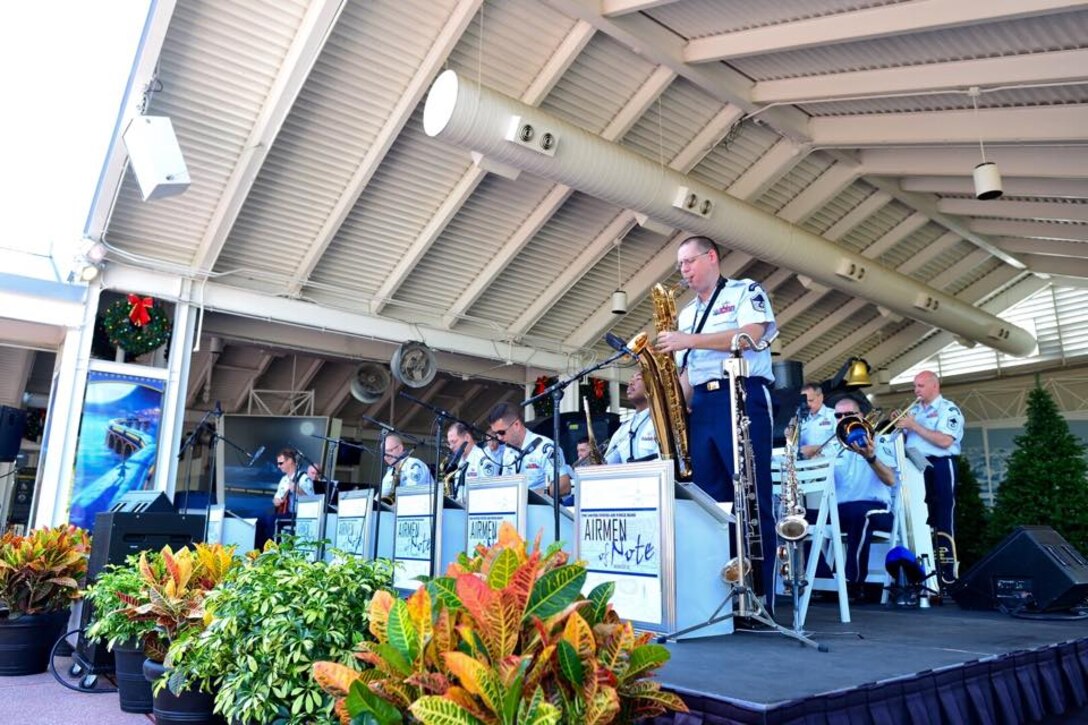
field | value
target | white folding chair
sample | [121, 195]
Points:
[816, 481]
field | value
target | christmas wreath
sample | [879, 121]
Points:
[543, 407]
[137, 324]
[595, 392]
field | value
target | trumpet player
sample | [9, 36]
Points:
[864, 478]
[818, 426]
[934, 427]
[635, 439]
[472, 457]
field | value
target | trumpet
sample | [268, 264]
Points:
[898, 415]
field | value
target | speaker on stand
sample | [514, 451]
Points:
[1032, 571]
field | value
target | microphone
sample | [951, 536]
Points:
[390, 429]
[253, 458]
[218, 410]
[456, 458]
[616, 343]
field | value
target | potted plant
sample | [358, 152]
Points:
[506, 637]
[123, 635]
[40, 576]
[171, 599]
[266, 626]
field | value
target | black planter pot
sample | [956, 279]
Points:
[25, 642]
[132, 687]
[191, 707]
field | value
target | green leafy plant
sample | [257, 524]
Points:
[1046, 482]
[172, 592]
[42, 571]
[110, 623]
[268, 624]
[505, 637]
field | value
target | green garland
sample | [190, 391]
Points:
[131, 337]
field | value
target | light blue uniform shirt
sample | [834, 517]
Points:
[474, 463]
[491, 461]
[633, 440]
[943, 416]
[536, 466]
[818, 427]
[741, 302]
[855, 479]
[413, 472]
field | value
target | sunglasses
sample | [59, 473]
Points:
[849, 414]
[280, 463]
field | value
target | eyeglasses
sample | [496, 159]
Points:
[690, 260]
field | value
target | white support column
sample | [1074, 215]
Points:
[614, 396]
[58, 456]
[172, 425]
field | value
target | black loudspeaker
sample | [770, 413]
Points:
[1032, 569]
[12, 425]
[143, 502]
[120, 533]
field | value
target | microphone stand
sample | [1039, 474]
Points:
[555, 392]
[331, 484]
[213, 449]
[193, 437]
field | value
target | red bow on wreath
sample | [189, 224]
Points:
[138, 314]
[541, 384]
[598, 388]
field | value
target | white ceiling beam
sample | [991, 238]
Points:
[1050, 247]
[822, 327]
[1042, 210]
[960, 268]
[1031, 230]
[565, 54]
[335, 383]
[896, 234]
[934, 249]
[928, 206]
[685, 160]
[307, 45]
[1037, 124]
[613, 8]
[1069, 162]
[872, 204]
[428, 69]
[879, 22]
[1013, 186]
[252, 375]
[1056, 67]
[1044, 264]
[834, 179]
[199, 366]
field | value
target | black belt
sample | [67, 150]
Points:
[720, 383]
[941, 458]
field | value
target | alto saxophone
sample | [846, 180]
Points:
[668, 409]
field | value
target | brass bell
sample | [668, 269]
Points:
[857, 376]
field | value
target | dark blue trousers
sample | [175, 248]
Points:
[859, 525]
[711, 446]
[941, 504]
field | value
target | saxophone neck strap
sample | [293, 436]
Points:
[702, 318]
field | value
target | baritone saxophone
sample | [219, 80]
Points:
[668, 408]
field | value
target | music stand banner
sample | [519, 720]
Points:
[490, 502]
[620, 536]
[413, 548]
[308, 521]
[118, 437]
[353, 524]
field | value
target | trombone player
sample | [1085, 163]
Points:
[864, 477]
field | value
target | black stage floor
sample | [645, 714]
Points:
[756, 670]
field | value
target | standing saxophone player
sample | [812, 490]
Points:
[721, 309]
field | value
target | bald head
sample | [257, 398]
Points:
[394, 447]
[927, 386]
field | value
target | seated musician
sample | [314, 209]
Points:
[864, 479]
[470, 466]
[404, 470]
[292, 481]
[536, 451]
[585, 454]
[635, 439]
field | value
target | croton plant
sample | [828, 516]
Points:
[505, 637]
[41, 572]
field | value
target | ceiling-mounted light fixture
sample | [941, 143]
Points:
[619, 297]
[987, 176]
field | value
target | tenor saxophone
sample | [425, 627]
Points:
[668, 409]
[594, 457]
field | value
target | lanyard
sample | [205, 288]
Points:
[632, 436]
[702, 319]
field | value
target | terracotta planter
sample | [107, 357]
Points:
[25, 642]
[191, 707]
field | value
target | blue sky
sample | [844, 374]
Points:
[65, 65]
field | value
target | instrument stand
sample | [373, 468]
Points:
[555, 392]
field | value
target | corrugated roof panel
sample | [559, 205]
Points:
[958, 100]
[216, 67]
[598, 84]
[487, 220]
[824, 307]
[507, 44]
[875, 226]
[1062, 31]
[912, 245]
[550, 252]
[830, 213]
[368, 62]
[793, 183]
[670, 124]
[833, 339]
[786, 294]
[699, 18]
[943, 261]
[594, 289]
[728, 161]
[404, 194]
[977, 273]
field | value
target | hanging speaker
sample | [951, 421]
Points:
[369, 383]
[414, 365]
[155, 157]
